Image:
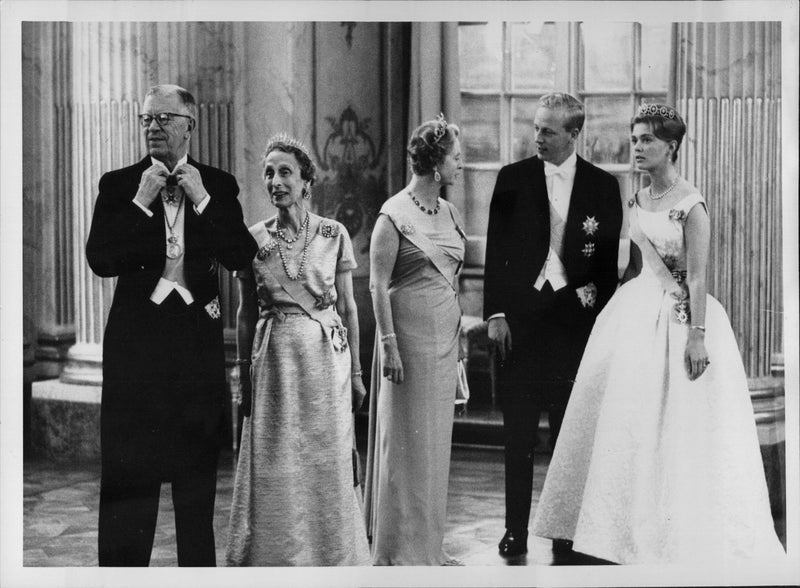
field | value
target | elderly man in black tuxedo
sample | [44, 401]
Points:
[162, 226]
[551, 266]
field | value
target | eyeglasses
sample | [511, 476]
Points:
[162, 118]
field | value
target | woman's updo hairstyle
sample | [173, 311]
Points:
[429, 145]
[288, 144]
[664, 121]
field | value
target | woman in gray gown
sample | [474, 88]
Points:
[416, 253]
[294, 500]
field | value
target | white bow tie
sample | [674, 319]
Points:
[554, 170]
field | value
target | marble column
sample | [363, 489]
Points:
[726, 80]
[47, 281]
[107, 76]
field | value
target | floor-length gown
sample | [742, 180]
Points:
[294, 500]
[411, 423]
[651, 467]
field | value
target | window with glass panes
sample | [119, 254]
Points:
[506, 66]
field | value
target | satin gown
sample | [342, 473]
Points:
[651, 467]
[294, 500]
[411, 423]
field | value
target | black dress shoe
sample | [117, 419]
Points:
[561, 546]
[513, 543]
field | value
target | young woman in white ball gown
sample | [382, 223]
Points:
[658, 459]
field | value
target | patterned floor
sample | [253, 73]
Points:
[61, 501]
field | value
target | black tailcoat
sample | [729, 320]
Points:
[163, 380]
[549, 329]
[518, 240]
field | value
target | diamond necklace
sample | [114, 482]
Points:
[281, 232]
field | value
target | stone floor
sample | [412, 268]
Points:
[61, 501]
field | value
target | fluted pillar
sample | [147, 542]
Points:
[726, 80]
[107, 76]
[47, 225]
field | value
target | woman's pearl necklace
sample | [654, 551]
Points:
[665, 192]
[424, 209]
[300, 269]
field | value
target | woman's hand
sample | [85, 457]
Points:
[244, 395]
[392, 365]
[359, 392]
[696, 356]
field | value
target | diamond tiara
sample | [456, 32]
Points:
[441, 128]
[656, 110]
[287, 139]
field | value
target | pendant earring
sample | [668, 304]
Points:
[437, 176]
[306, 194]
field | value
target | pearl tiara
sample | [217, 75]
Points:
[656, 110]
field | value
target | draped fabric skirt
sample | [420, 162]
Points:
[651, 467]
[294, 501]
[411, 427]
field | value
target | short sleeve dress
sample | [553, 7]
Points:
[650, 466]
[294, 502]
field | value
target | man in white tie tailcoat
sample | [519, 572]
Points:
[551, 266]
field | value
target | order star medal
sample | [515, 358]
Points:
[590, 225]
[173, 247]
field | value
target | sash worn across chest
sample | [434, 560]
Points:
[434, 253]
[328, 318]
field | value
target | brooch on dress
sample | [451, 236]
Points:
[324, 301]
[406, 229]
[588, 249]
[588, 295]
[267, 249]
[329, 230]
[677, 214]
[590, 225]
[339, 338]
[212, 308]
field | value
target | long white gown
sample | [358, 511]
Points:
[651, 467]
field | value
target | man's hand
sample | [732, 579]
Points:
[153, 181]
[189, 179]
[500, 335]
